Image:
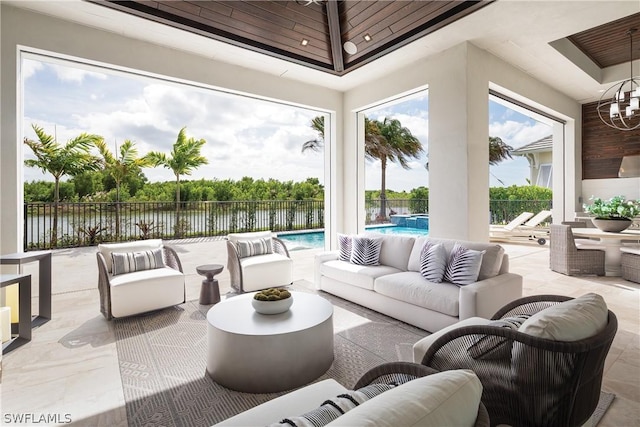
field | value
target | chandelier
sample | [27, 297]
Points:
[619, 106]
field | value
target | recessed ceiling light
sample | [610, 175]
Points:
[367, 37]
[304, 42]
[350, 48]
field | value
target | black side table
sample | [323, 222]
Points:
[210, 290]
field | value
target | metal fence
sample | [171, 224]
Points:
[87, 224]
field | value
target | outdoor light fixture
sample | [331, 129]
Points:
[350, 48]
[367, 37]
[304, 42]
[619, 106]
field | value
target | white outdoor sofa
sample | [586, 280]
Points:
[149, 286]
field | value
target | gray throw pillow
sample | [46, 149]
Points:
[253, 247]
[463, 266]
[433, 261]
[128, 262]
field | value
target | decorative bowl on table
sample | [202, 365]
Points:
[272, 301]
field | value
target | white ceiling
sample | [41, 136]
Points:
[517, 31]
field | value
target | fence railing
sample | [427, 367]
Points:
[86, 224]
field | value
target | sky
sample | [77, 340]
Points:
[245, 136]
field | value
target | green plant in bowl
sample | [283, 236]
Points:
[272, 301]
[613, 215]
[272, 294]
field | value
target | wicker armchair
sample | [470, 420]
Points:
[139, 291]
[254, 273]
[402, 372]
[566, 258]
[540, 382]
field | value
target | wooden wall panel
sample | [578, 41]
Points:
[604, 147]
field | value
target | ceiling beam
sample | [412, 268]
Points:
[335, 35]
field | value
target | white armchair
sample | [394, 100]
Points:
[146, 276]
[258, 260]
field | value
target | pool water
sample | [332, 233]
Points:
[315, 239]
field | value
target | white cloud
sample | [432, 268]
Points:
[77, 75]
[29, 68]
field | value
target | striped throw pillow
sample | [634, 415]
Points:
[365, 250]
[491, 347]
[463, 266]
[127, 262]
[331, 409]
[344, 244]
[253, 247]
[433, 261]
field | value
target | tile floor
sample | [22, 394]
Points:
[70, 368]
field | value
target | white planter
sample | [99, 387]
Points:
[272, 307]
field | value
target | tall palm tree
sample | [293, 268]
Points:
[121, 165]
[389, 141]
[498, 150]
[317, 124]
[183, 159]
[70, 159]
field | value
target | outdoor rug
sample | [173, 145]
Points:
[162, 357]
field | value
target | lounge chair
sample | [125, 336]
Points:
[530, 230]
[514, 223]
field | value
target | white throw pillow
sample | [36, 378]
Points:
[365, 250]
[344, 244]
[433, 262]
[449, 398]
[572, 320]
[463, 266]
[128, 262]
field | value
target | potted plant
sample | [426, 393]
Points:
[615, 214]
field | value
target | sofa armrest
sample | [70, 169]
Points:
[485, 297]
[104, 287]
[320, 259]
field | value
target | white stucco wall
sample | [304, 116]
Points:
[21, 28]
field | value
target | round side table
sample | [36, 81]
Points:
[210, 291]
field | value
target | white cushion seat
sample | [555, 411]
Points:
[142, 291]
[266, 271]
[411, 286]
[362, 276]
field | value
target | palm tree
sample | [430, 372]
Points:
[389, 141]
[70, 159]
[317, 124]
[120, 166]
[183, 159]
[498, 150]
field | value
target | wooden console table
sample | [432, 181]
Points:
[44, 279]
[24, 306]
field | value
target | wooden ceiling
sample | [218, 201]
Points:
[609, 44]
[278, 28]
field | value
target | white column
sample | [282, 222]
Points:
[458, 145]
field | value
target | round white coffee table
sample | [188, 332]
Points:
[260, 353]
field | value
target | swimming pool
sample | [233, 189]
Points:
[315, 239]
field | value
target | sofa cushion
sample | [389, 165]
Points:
[448, 398]
[254, 247]
[147, 290]
[236, 237]
[127, 262]
[433, 262]
[344, 245]
[395, 249]
[139, 245]
[365, 250]
[572, 320]
[357, 275]
[266, 271]
[463, 265]
[411, 287]
[491, 260]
